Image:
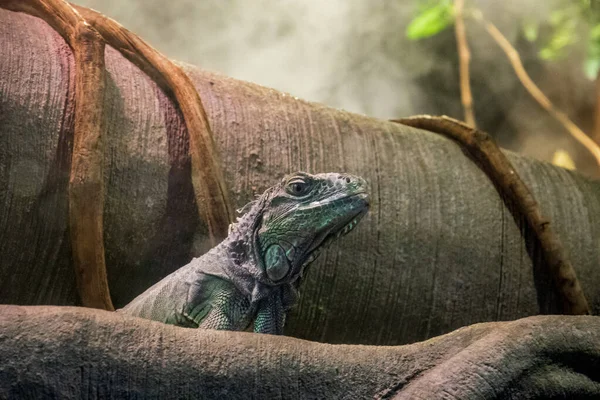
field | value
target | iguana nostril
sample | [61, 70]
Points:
[347, 180]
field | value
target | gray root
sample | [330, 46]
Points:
[73, 353]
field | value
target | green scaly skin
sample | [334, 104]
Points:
[254, 274]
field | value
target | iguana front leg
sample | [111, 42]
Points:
[270, 317]
[214, 303]
[229, 311]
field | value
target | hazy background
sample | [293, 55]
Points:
[354, 54]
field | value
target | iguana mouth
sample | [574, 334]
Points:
[348, 227]
[324, 240]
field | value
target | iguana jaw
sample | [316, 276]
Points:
[324, 239]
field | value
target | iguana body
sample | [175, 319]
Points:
[253, 275]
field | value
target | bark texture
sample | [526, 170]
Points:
[439, 249]
[77, 353]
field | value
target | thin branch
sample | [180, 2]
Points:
[464, 57]
[485, 151]
[596, 133]
[534, 91]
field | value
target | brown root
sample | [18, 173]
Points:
[486, 152]
[86, 183]
[86, 32]
[212, 196]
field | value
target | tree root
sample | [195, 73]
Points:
[212, 196]
[86, 32]
[86, 183]
[486, 152]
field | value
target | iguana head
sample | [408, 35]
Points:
[302, 215]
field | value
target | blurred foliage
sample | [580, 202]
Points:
[592, 62]
[570, 22]
[563, 23]
[566, 29]
[432, 18]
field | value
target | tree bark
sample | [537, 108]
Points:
[439, 249]
[74, 353]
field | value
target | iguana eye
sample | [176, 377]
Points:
[298, 187]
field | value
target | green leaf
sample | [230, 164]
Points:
[564, 35]
[592, 62]
[558, 16]
[530, 30]
[430, 21]
[595, 33]
[591, 67]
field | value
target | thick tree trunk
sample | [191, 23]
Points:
[438, 250]
[75, 353]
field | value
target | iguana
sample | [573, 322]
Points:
[254, 274]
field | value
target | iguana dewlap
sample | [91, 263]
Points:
[253, 275]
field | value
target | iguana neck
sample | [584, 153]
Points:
[242, 261]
